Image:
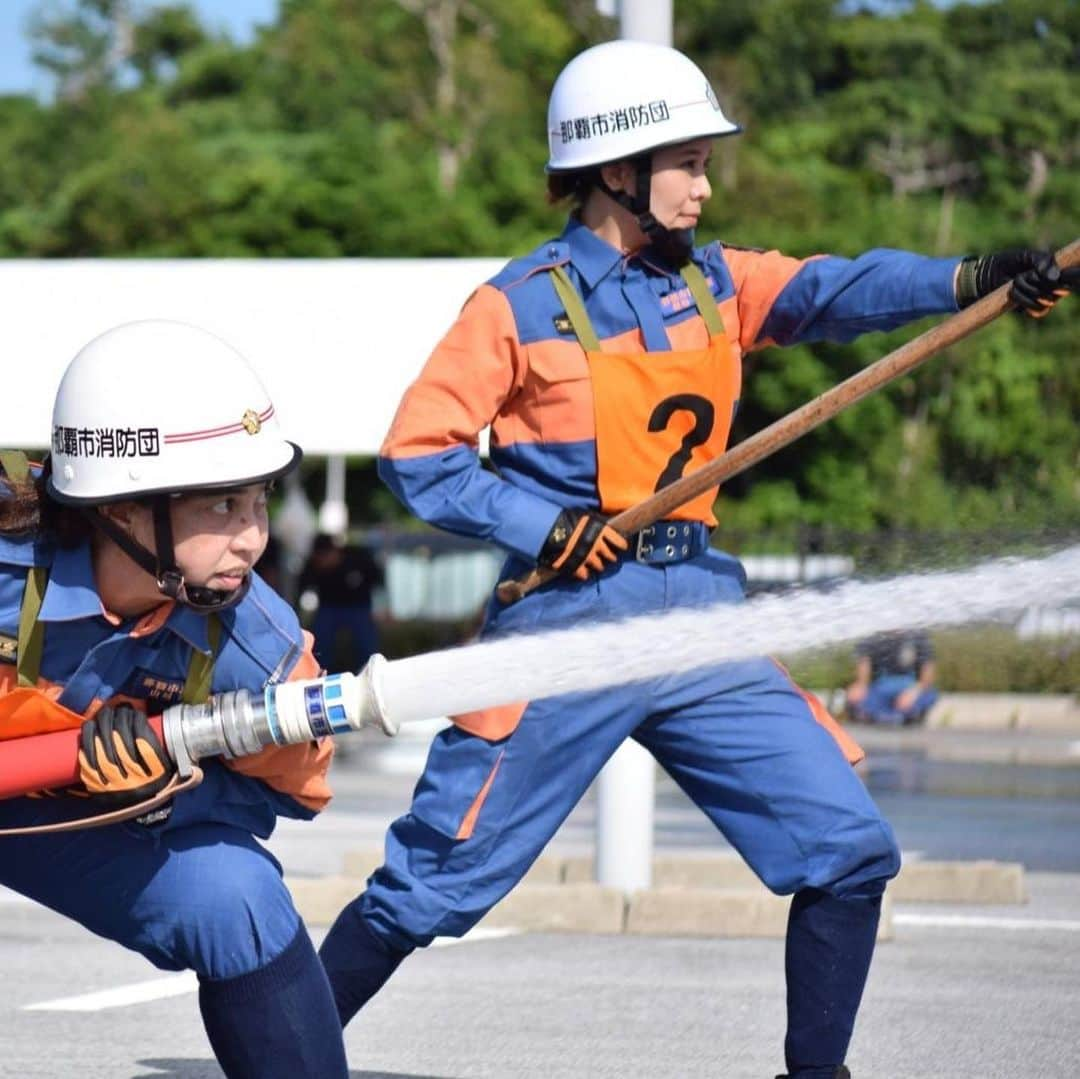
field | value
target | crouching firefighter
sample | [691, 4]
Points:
[127, 584]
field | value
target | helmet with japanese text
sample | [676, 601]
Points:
[149, 411]
[623, 98]
[159, 407]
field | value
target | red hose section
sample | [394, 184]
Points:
[44, 761]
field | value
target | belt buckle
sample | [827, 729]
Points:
[643, 549]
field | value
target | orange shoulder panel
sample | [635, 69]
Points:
[759, 277]
[474, 369]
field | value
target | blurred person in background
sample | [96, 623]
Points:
[126, 585]
[342, 578]
[608, 363]
[269, 565]
[894, 679]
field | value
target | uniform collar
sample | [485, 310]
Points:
[72, 594]
[592, 257]
[192, 626]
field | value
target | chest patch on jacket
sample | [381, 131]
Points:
[9, 649]
[146, 685]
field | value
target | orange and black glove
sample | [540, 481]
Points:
[1038, 283]
[581, 542]
[121, 759]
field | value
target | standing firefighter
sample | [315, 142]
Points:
[607, 363]
[126, 584]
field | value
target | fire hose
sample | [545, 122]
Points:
[232, 724]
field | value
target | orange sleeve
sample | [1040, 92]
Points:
[759, 277]
[298, 771]
[466, 380]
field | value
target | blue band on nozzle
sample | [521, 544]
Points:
[334, 703]
[316, 711]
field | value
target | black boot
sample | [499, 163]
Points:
[840, 1073]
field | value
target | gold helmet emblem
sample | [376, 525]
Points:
[252, 423]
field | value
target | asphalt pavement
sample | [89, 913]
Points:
[979, 992]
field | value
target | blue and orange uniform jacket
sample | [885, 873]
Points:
[92, 658]
[512, 360]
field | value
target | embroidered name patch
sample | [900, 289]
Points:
[147, 686]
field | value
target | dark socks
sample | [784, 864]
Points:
[830, 942]
[277, 1022]
[357, 962]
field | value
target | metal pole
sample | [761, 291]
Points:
[625, 793]
[334, 513]
[626, 787]
[646, 20]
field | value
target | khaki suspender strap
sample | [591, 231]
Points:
[31, 640]
[575, 309]
[31, 631]
[200, 674]
[583, 327]
[16, 466]
[703, 297]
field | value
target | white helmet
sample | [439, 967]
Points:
[623, 98]
[160, 407]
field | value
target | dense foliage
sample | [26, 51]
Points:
[415, 128]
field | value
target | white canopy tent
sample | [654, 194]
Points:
[335, 341]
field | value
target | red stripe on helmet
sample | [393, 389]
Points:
[216, 432]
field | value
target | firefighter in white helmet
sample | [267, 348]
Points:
[127, 583]
[608, 362]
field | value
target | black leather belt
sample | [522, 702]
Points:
[669, 541]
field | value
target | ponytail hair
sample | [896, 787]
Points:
[574, 186]
[26, 509]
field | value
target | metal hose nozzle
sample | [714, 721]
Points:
[239, 723]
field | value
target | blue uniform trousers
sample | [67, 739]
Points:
[739, 738]
[186, 895]
[197, 892]
[879, 706]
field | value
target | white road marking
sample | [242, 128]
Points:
[178, 985]
[175, 985]
[976, 921]
[474, 935]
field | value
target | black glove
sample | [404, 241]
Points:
[1037, 282]
[580, 541]
[121, 759]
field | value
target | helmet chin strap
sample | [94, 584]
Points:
[163, 567]
[674, 245]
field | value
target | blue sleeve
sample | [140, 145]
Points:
[838, 299]
[451, 490]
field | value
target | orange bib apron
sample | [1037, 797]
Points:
[659, 414]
